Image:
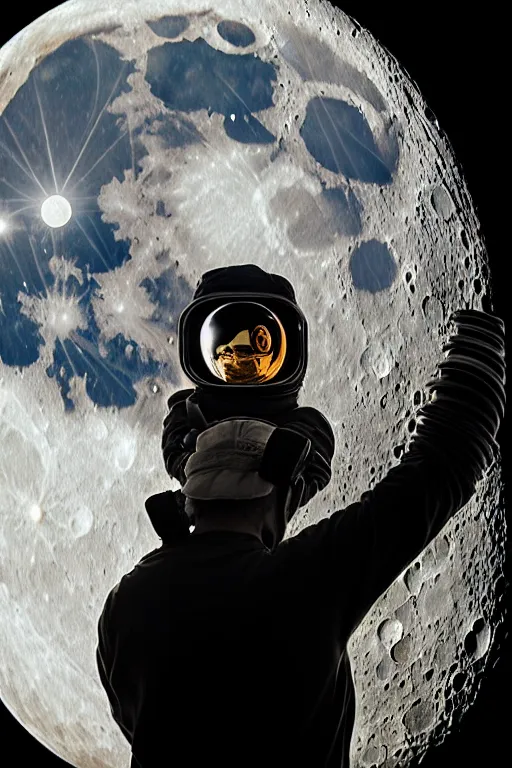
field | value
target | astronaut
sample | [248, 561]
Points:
[228, 644]
[244, 342]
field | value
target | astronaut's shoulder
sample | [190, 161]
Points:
[179, 396]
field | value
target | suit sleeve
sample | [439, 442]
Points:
[176, 425]
[368, 544]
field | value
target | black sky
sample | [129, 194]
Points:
[454, 60]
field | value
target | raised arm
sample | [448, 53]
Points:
[369, 543]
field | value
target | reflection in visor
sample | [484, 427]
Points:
[243, 343]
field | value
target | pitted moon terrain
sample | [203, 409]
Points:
[141, 144]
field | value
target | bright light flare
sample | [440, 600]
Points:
[56, 211]
[3, 226]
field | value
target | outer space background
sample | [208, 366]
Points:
[454, 58]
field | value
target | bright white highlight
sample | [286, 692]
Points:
[56, 211]
[3, 226]
[36, 513]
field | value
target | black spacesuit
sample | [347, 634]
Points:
[192, 410]
[216, 650]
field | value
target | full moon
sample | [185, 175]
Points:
[56, 211]
[142, 144]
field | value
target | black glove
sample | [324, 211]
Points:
[182, 426]
[285, 456]
[469, 401]
[312, 424]
[475, 368]
[476, 360]
[308, 453]
[168, 517]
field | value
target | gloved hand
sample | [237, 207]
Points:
[313, 425]
[168, 517]
[285, 456]
[474, 368]
[469, 396]
[180, 435]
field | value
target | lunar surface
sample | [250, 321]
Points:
[141, 144]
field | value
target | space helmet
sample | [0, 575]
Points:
[244, 332]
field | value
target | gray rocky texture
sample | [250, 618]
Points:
[72, 516]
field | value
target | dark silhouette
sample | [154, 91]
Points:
[227, 645]
[192, 410]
